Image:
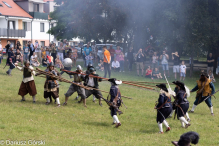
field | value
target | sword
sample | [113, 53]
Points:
[5, 66]
[161, 114]
[123, 104]
[211, 95]
[13, 64]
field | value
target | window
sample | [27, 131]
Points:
[11, 24]
[41, 27]
[7, 4]
[28, 26]
[36, 7]
[1, 5]
[25, 26]
[24, 43]
[42, 43]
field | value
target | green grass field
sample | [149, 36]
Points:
[76, 125]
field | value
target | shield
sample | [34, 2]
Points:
[67, 62]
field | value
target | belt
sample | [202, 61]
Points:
[77, 82]
[91, 86]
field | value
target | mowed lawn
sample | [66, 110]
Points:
[76, 125]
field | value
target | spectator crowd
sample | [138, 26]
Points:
[113, 59]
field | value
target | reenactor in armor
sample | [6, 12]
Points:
[50, 87]
[78, 78]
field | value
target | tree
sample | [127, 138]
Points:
[183, 25]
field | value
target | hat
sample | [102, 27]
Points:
[163, 87]
[91, 70]
[187, 138]
[89, 66]
[114, 81]
[180, 84]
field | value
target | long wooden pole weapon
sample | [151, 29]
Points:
[107, 79]
[67, 81]
[148, 82]
[145, 84]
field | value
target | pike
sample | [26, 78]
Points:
[123, 104]
[147, 82]
[167, 81]
[128, 83]
[211, 95]
[67, 81]
[171, 91]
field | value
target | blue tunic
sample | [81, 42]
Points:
[114, 91]
[164, 111]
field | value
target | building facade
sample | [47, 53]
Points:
[25, 20]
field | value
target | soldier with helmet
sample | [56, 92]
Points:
[87, 72]
[78, 78]
[93, 83]
[27, 84]
[51, 85]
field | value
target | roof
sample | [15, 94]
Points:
[48, 0]
[37, 1]
[15, 10]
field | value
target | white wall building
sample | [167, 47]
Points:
[25, 20]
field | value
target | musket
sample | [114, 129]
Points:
[211, 95]
[123, 104]
[112, 105]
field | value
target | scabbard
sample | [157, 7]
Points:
[175, 114]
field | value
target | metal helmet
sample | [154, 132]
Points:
[91, 70]
[67, 62]
[51, 64]
[89, 66]
[79, 67]
[26, 62]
